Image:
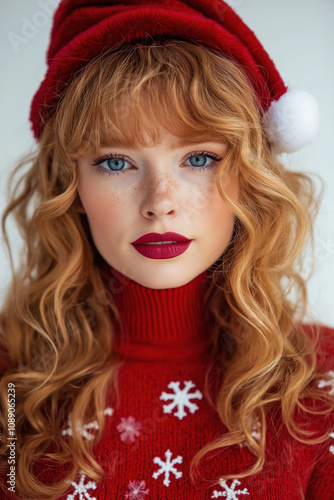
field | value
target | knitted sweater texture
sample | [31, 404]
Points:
[163, 417]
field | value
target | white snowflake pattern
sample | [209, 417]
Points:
[331, 448]
[180, 398]
[328, 383]
[229, 492]
[129, 429]
[167, 467]
[136, 490]
[81, 489]
[87, 427]
[256, 433]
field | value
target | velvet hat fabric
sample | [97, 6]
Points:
[83, 29]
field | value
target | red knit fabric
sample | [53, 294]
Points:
[164, 418]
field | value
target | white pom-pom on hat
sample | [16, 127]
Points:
[292, 122]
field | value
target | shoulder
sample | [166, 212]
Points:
[324, 346]
[321, 385]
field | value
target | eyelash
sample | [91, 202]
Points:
[101, 170]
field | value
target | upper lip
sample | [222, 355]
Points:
[153, 237]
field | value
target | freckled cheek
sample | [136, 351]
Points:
[199, 198]
[102, 208]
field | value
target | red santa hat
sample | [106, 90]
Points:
[83, 29]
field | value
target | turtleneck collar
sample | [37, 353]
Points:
[159, 325]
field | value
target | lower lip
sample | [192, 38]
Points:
[168, 251]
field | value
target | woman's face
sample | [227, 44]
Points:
[157, 190]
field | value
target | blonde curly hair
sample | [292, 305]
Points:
[60, 351]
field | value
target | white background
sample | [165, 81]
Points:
[297, 34]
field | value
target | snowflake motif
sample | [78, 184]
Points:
[129, 429]
[229, 493]
[331, 448]
[167, 467]
[86, 427]
[256, 434]
[326, 383]
[181, 399]
[81, 489]
[136, 490]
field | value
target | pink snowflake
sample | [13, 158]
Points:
[136, 490]
[129, 429]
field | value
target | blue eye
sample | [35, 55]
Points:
[116, 163]
[200, 160]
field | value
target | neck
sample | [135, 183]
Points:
[156, 325]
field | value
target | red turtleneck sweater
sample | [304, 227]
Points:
[164, 418]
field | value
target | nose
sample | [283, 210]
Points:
[160, 196]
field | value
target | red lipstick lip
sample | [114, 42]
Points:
[156, 237]
[163, 251]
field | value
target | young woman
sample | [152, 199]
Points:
[150, 349]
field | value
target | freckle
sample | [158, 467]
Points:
[116, 200]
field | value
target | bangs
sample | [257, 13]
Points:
[135, 119]
[126, 97]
